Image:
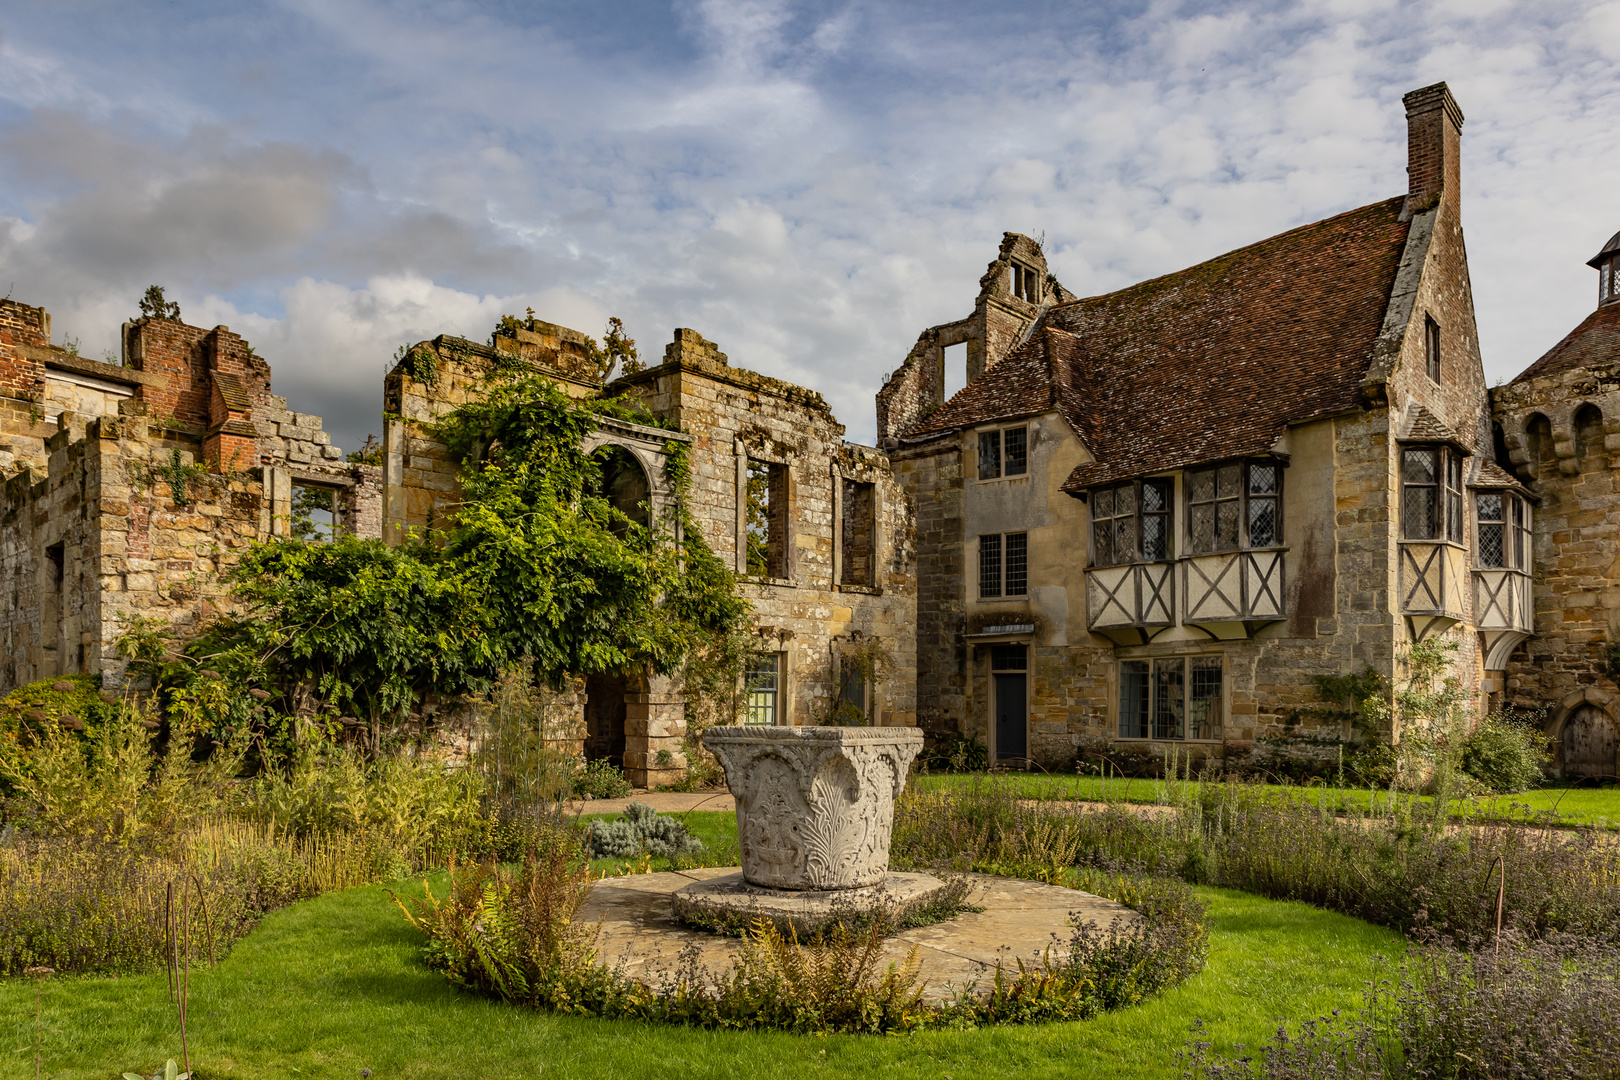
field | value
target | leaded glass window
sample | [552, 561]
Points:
[1493, 548]
[989, 455]
[990, 565]
[1003, 453]
[1172, 698]
[1017, 548]
[1233, 506]
[1420, 480]
[1131, 523]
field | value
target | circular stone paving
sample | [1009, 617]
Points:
[639, 934]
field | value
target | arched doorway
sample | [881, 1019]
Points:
[1590, 742]
[624, 484]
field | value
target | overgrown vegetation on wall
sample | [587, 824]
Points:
[537, 570]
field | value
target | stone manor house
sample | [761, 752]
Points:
[1144, 523]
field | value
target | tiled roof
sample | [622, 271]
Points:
[1021, 385]
[1210, 362]
[1488, 474]
[1593, 343]
[1421, 425]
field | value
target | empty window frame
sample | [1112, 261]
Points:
[1131, 523]
[1003, 565]
[1236, 505]
[1172, 698]
[852, 706]
[767, 519]
[763, 688]
[1024, 283]
[1004, 453]
[857, 559]
[1431, 494]
[1431, 346]
[315, 512]
[1503, 530]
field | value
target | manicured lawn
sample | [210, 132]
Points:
[334, 985]
[1571, 805]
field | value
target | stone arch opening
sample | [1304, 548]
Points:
[1588, 431]
[1538, 439]
[1588, 741]
[624, 484]
[606, 711]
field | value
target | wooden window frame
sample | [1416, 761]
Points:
[753, 671]
[1186, 668]
[1515, 525]
[1246, 497]
[1431, 350]
[1448, 507]
[997, 439]
[1167, 489]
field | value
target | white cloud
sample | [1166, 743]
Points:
[809, 187]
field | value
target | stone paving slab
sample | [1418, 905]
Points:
[665, 802]
[638, 931]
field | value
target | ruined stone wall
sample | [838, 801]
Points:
[114, 529]
[735, 415]
[931, 476]
[1563, 436]
[419, 478]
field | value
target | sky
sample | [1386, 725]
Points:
[809, 185]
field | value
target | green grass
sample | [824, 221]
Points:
[1570, 805]
[334, 985]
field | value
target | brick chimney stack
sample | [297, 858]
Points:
[1433, 146]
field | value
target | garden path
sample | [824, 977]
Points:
[1019, 921]
[665, 802]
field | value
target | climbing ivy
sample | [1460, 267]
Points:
[537, 568]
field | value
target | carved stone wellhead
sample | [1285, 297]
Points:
[815, 805]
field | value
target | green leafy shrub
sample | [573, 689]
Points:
[642, 831]
[960, 753]
[1506, 752]
[599, 778]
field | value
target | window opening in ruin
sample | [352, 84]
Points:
[1431, 346]
[858, 561]
[1234, 506]
[314, 512]
[767, 519]
[1172, 698]
[1003, 565]
[1024, 283]
[954, 358]
[852, 692]
[56, 559]
[1131, 523]
[1588, 428]
[1004, 453]
[764, 688]
[625, 486]
[1431, 494]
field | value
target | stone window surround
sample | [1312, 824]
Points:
[745, 454]
[1116, 670]
[837, 477]
[999, 431]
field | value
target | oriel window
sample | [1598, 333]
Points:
[1503, 530]
[1131, 523]
[1431, 494]
[1232, 506]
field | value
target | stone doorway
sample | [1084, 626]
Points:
[605, 713]
[1590, 742]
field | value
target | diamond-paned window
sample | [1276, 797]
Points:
[1131, 523]
[1234, 506]
[1492, 530]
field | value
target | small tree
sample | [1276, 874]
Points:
[155, 305]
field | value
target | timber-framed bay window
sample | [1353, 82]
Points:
[1503, 529]
[1131, 523]
[1431, 493]
[1235, 505]
[1179, 698]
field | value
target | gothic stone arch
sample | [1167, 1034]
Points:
[1585, 732]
